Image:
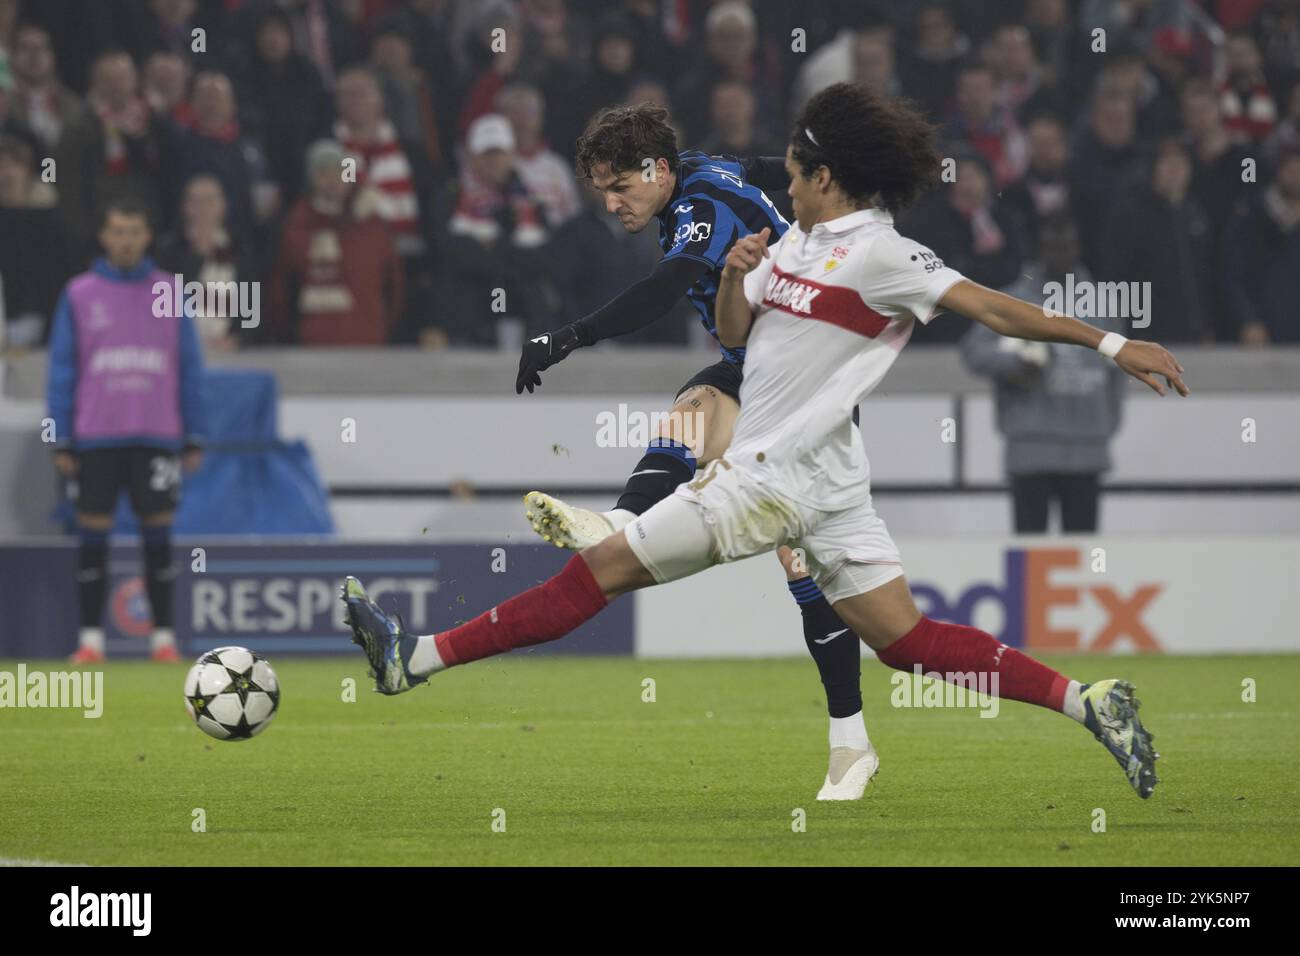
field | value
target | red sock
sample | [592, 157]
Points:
[954, 648]
[544, 613]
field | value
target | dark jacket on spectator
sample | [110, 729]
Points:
[1262, 270]
[286, 108]
[1151, 240]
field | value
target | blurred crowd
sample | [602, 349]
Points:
[1153, 141]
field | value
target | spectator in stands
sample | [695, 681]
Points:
[966, 226]
[215, 144]
[494, 262]
[41, 102]
[168, 26]
[730, 42]
[987, 127]
[547, 177]
[203, 250]
[1277, 30]
[930, 71]
[408, 94]
[125, 394]
[1020, 84]
[1249, 110]
[556, 48]
[1159, 238]
[322, 32]
[647, 90]
[1125, 74]
[1262, 267]
[1053, 34]
[614, 65]
[338, 279]
[166, 85]
[1104, 157]
[398, 171]
[1171, 62]
[1286, 135]
[402, 179]
[734, 130]
[874, 64]
[117, 149]
[34, 262]
[9, 123]
[282, 101]
[1132, 23]
[1058, 406]
[837, 61]
[495, 44]
[1045, 188]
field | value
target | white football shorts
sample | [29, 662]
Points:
[725, 515]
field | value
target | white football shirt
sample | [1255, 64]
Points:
[833, 307]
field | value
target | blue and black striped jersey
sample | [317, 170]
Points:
[711, 207]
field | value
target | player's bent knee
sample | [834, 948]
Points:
[615, 567]
[880, 616]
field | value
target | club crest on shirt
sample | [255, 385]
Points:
[830, 264]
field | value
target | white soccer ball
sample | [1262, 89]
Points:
[232, 693]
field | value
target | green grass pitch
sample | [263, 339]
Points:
[586, 772]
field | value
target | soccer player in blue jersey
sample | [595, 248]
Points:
[701, 205]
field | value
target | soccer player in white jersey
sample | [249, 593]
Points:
[819, 337]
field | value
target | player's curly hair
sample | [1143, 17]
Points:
[624, 136]
[871, 144]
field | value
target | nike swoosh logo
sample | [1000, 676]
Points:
[650, 471]
[829, 637]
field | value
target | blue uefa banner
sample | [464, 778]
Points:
[283, 597]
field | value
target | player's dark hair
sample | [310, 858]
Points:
[625, 136]
[125, 206]
[870, 144]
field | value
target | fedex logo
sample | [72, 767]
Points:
[1035, 584]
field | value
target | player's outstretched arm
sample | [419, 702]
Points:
[731, 309]
[637, 306]
[1012, 317]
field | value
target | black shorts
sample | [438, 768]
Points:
[726, 378]
[151, 477]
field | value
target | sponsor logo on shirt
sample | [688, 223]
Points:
[692, 232]
[129, 358]
[790, 294]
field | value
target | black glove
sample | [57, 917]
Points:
[545, 350]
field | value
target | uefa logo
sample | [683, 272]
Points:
[129, 608]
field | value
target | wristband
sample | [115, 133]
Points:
[1110, 344]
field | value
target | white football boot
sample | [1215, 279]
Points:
[849, 773]
[568, 526]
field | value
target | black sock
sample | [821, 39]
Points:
[834, 646]
[667, 463]
[159, 573]
[92, 576]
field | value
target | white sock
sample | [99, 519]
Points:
[620, 518]
[1073, 705]
[92, 638]
[425, 659]
[850, 732]
[162, 637]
